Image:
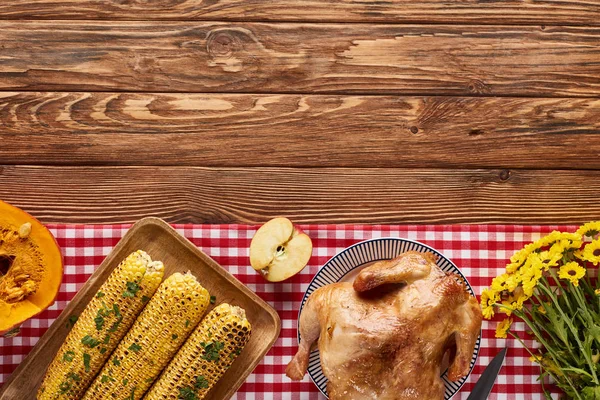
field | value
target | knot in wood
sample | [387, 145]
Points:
[477, 86]
[504, 174]
[222, 44]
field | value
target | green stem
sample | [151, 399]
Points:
[555, 356]
[547, 370]
[574, 332]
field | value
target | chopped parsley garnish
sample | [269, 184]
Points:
[99, 295]
[211, 351]
[135, 347]
[106, 339]
[187, 323]
[103, 350]
[68, 356]
[145, 299]
[90, 341]
[116, 362]
[106, 378]
[186, 393]
[174, 336]
[238, 350]
[99, 320]
[213, 299]
[71, 321]
[86, 361]
[149, 380]
[64, 387]
[73, 376]
[201, 382]
[125, 381]
[132, 395]
[132, 289]
[117, 311]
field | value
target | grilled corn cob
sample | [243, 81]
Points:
[101, 326]
[168, 319]
[205, 356]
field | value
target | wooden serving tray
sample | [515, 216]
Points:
[178, 255]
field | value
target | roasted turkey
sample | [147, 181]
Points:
[385, 335]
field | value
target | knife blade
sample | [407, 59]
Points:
[484, 385]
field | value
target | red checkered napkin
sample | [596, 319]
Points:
[479, 251]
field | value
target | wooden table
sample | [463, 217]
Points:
[335, 111]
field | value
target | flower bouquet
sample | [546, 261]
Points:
[552, 286]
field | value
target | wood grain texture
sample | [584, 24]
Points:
[452, 11]
[297, 130]
[317, 195]
[300, 58]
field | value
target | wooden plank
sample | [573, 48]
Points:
[300, 58]
[397, 11]
[314, 195]
[297, 130]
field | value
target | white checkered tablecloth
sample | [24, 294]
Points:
[479, 251]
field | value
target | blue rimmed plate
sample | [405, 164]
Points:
[345, 265]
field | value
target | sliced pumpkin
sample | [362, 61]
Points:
[31, 268]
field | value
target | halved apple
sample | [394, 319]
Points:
[279, 250]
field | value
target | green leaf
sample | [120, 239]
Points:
[99, 320]
[64, 387]
[71, 321]
[86, 361]
[212, 351]
[132, 289]
[201, 382]
[591, 393]
[186, 393]
[73, 376]
[68, 356]
[135, 347]
[90, 341]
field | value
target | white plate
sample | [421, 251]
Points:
[346, 264]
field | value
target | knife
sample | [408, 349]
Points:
[484, 385]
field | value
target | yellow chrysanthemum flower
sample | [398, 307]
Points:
[550, 259]
[507, 307]
[597, 291]
[536, 358]
[503, 327]
[572, 272]
[591, 252]
[488, 299]
[499, 283]
[590, 229]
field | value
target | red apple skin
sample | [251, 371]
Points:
[265, 271]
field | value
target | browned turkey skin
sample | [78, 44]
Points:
[384, 336]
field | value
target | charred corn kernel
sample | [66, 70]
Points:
[205, 356]
[100, 327]
[168, 319]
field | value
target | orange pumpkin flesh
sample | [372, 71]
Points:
[31, 267]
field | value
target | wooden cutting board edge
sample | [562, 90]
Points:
[61, 321]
